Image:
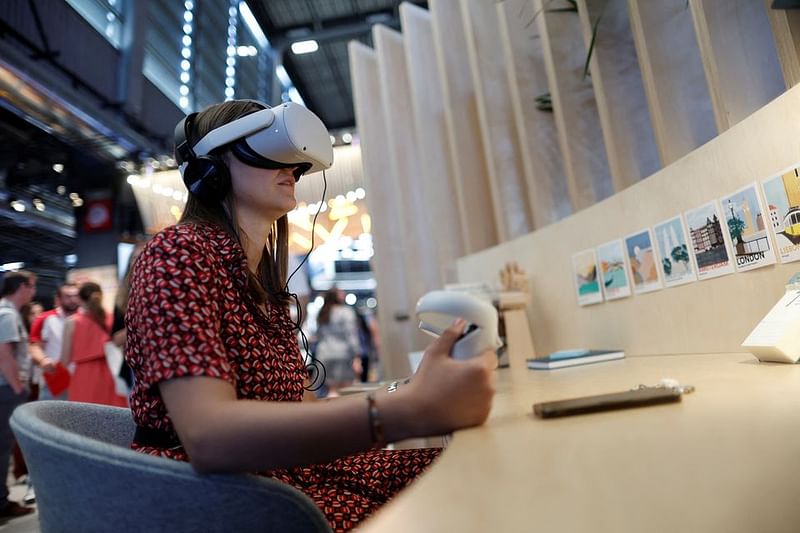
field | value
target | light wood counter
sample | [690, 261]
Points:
[727, 458]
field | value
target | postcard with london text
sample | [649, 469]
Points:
[746, 223]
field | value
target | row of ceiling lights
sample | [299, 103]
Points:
[38, 204]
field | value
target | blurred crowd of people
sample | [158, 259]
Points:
[70, 352]
[74, 352]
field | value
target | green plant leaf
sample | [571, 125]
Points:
[594, 40]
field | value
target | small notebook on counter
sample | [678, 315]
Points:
[564, 358]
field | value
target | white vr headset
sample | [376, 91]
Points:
[288, 135]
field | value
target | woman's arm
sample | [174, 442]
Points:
[223, 434]
[66, 342]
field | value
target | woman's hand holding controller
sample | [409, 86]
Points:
[448, 394]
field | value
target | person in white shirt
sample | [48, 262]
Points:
[46, 334]
[18, 289]
[338, 345]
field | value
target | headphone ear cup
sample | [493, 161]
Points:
[207, 177]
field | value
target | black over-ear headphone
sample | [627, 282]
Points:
[206, 176]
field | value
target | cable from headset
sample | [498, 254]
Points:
[314, 367]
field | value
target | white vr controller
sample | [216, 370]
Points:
[437, 310]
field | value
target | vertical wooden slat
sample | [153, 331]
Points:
[389, 236]
[420, 255]
[507, 180]
[786, 32]
[677, 95]
[619, 92]
[739, 57]
[574, 106]
[438, 180]
[541, 155]
[466, 147]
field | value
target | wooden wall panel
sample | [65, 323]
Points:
[619, 92]
[701, 317]
[389, 236]
[739, 57]
[574, 106]
[674, 81]
[541, 154]
[502, 149]
[463, 126]
[439, 184]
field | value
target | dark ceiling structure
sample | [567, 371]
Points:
[323, 77]
[48, 152]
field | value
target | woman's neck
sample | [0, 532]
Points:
[255, 230]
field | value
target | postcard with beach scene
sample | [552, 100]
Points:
[613, 270]
[674, 257]
[708, 241]
[782, 195]
[642, 262]
[746, 223]
[587, 285]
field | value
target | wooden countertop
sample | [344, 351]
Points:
[726, 458]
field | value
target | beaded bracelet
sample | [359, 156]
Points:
[375, 423]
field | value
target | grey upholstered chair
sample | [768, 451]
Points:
[87, 479]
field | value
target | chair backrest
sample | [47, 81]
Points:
[88, 479]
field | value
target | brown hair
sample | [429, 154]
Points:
[270, 283]
[331, 300]
[14, 280]
[124, 289]
[92, 296]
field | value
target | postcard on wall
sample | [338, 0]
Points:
[746, 224]
[674, 257]
[708, 241]
[613, 270]
[782, 195]
[642, 262]
[587, 284]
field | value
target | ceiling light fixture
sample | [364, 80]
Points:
[305, 47]
[17, 206]
[246, 51]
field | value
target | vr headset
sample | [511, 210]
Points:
[285, 136]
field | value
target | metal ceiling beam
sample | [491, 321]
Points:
[335, 29]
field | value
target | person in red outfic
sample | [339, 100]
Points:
[83, 347]
[219, 379]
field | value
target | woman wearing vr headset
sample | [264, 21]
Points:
[219, 378]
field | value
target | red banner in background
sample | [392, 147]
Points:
[97, 215]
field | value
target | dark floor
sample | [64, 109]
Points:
[25, 524]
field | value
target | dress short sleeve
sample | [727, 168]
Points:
[175, 310]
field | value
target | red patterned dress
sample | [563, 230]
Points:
[189, 314]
